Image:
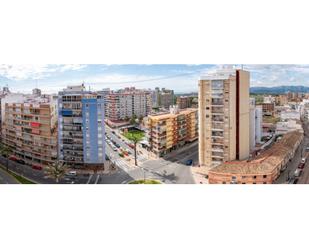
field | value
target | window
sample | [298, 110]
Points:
[207, 116]
[264, 176]
[254, 182]
[207, 108]
[264, 182]
[254, 177]
[243, 177]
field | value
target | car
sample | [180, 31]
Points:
[301, 166]
[307, 148]
[106, 158]
[20, 161]
[297, 172]
[71, 173]
[37, 167]
[113, 132]
[114, 148]
[121, 155]
[303, 160]
[13, 158]
[117, 145]
[189, 162]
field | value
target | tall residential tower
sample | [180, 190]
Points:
[81, 130]
[223, 117]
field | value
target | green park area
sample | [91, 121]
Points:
[134, 134]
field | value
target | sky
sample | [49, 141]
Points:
[182, 78]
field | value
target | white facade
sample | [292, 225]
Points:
[252, 124]
[291, 114]
[269, 99]
[258, 124]
[290, 125]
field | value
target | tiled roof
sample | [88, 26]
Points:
[266, 162]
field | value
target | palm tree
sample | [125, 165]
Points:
[5, 151]
[134, 137]
[56, 170]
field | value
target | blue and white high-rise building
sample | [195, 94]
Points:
[81, 131]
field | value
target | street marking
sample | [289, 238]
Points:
[90, 177]
[97, 179]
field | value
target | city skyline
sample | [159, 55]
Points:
[181, 77]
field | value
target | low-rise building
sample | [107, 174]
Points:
[288, 126]
[264, 169]
[290, 114]
[169, 131]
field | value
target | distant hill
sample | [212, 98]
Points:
[279, 89]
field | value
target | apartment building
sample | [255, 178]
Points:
[172, 130]
[29, 127]
[268, 109]
[126, 103]
[163, 98]
[183, 102]
[255, 130]
[223, 116]
[81, 128]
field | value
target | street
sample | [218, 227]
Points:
[6, 178]
[293, 164]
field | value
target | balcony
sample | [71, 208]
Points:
[217, 126]
[217, 102]
[219, 141]
[217, 110]
[217, 134]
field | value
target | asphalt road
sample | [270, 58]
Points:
[304, 177]
[6, 178]
[171, 169]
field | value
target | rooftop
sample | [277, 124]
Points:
[266, 162]
[170, 115]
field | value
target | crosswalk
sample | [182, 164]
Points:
[117, 160]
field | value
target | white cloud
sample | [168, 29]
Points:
[31, 71]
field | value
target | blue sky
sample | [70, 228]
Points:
[182, 78]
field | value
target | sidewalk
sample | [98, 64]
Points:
[199, 174]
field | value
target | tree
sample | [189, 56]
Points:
[56, 170]
[5, 151]
[134, 137]
[133, 120]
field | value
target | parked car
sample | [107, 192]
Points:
[301, 166]
[303, 160]
[71, 173]
[297, 172]
[37, 167]
[117, 145]
[121, 155]
[13, 158]
[21, 161]
[189, 162]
